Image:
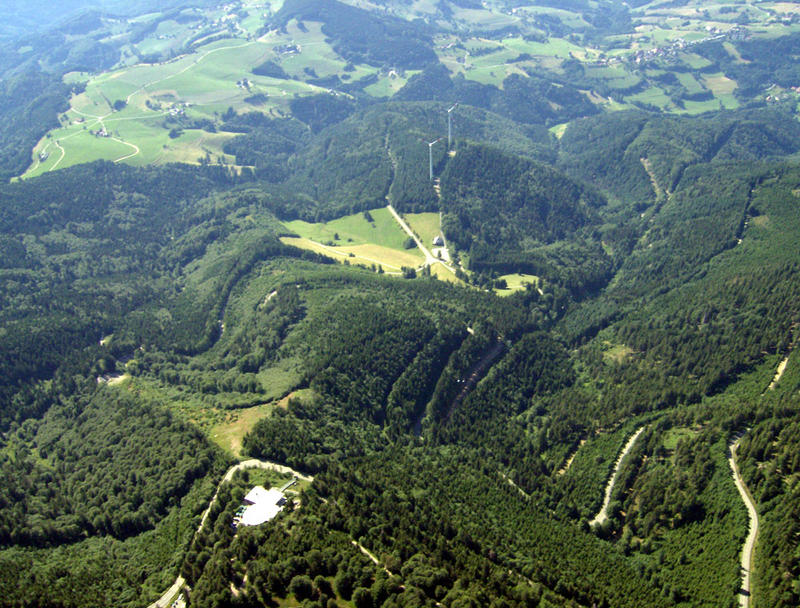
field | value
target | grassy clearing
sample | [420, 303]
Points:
[441, 272]
[559, 130]
[699, 107]
[696, 62]
[354, 229]
[281, 378]
[617, 353]
[555, 47]
[719, 84]
[654, 96]
[671, 438]
[568, 18]
[389, 85]
[516, 282]
[689, 83]
[425, 225]
[391, 260]
[613, 77]
[186, 405]
[229, 434]
[78, 147]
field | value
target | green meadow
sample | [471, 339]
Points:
[425, 225]
[516, 282]
[354, 230]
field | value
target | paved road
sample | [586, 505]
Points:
[163, 601]
[602, 516]
[750, 542]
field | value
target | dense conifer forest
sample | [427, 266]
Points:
[453, 437]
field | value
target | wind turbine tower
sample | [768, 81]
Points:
[450, 124]
[430, 156]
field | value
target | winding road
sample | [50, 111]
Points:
[750, 542]
[602, 516]
[163, 601]
[100, 119]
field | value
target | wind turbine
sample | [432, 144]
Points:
[450, 124]
[430, 156]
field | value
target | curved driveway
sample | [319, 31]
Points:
[163, 601]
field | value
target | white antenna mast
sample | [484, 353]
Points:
[450, 124]
[430, 156]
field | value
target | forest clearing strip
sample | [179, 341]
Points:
[750, 542]
[649, 168]
[475, 374]
[779, 373]
[297, 242]
[371, 556]
[570, 458]
[241, 466]
[602, 515]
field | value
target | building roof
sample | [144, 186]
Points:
[257, 494]
[264, 505]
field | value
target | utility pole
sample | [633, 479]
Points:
[450, 124]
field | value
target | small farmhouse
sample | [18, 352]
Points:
[438, 241]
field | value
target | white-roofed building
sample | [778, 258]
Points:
[261, 505]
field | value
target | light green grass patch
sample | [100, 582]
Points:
[617, 353]
[559, 130]
[700, 107]
[281, 378]
[387, 86]
[654, 96]
[229, 433]
[516, 282]
[443, 273]
[689, 83]
[391, 260]
[426, 226]
[719, 84]
[671, 437]
[354, 230]
[696, 62]
[571, 19]
[612, 77]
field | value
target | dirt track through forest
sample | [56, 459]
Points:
[602, 516]
[750, 542]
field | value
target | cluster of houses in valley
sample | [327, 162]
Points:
[286, 49]
[671, 50]
[178, 110]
